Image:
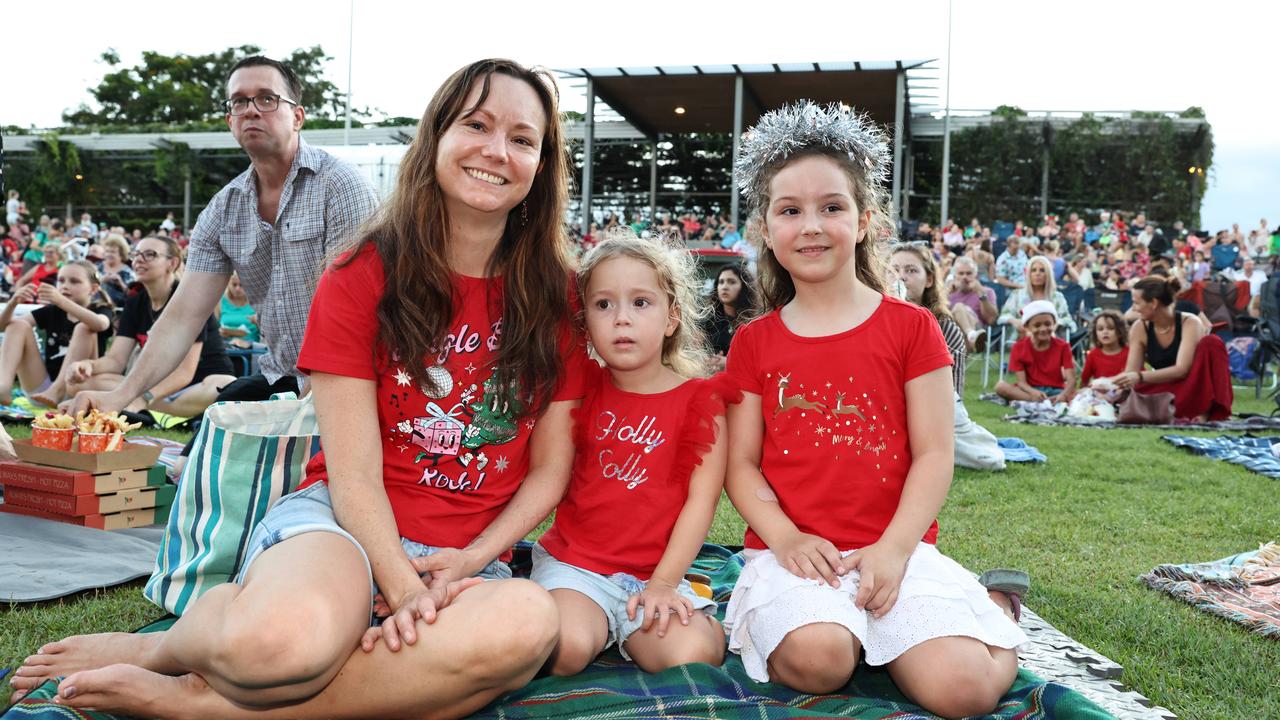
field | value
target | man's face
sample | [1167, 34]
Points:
[257, 132]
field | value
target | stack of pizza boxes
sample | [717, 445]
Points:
[105, 490]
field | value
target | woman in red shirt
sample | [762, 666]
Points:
[443, 367]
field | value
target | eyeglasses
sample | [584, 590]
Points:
[148, 255]
[266, 103]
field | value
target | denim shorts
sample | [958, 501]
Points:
[1048, 389]
[609, 593]
[311, 510]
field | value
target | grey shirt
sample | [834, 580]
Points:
[323, 203]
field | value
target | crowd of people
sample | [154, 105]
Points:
[443, 339]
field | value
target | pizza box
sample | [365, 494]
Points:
[132, 456]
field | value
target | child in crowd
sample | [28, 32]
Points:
[1042, 361]
[76, 320]
[650, 448]
[1109, 334]
[839, 460]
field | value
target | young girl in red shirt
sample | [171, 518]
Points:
[1110, 335]
[839, 458]
[648, 471]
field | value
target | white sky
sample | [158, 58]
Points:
[1060, 55]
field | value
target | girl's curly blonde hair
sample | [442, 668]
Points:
[685, 352]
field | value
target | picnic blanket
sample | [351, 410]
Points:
[42, 559]
[1259, 454]
[1044, 413]
[1242, 588]
[1017, 450]
[169, 451]
[615, 689]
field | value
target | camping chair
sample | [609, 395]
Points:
[1225, 308]
[1118, 300]
[1224, 256]
[1268, 329]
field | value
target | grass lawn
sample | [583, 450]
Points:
[1108, 506]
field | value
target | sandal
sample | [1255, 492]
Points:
[1014, 583]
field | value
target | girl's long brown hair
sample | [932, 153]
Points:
[410, 235]
[932, 299]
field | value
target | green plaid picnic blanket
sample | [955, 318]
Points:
[613, 689]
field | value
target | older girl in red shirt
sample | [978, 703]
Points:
[649, 468]
[838, 457]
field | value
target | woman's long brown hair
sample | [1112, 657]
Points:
[410, 235]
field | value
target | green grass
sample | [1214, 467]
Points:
[1108, 506]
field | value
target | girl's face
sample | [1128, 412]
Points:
[908, 268]
[1108, 335]
[728, 287]
[1037, 274]
[628, 315]
[812, 223]
[486, 161]
[74, 284]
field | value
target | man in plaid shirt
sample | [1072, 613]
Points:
[275, 225]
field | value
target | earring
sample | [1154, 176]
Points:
[524, 212]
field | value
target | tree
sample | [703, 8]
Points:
[165, 91]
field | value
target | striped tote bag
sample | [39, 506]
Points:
[246, 455]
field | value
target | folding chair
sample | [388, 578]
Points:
[1268, 334]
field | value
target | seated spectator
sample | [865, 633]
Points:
[1011, 266]
[980, 251]
[972, 304]
[734, 300]
[76, 319]
[1042, 362]
[913, 265]
[238, 321]
[1185, 360]
[117, 276]
[1249, 272]
[1109, 334]
[1039, 285]
[50, 256]
[731, 236]
[189, 389]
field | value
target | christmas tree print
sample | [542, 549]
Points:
[495, 417]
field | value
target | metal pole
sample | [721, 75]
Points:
[946, 132]
[588, 139]
[653, 182]
[1044, 177]
[737, 139]
[351, 23]
[186, 201]
[898, 127]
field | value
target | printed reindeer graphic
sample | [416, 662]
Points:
[793, 402]
[842, 409]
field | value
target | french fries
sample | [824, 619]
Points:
[53, 421]
[100, 422]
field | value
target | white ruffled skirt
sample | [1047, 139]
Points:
[938, 598]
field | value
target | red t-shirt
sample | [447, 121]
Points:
[836, 449]
[451, 461]
[1098, 364]
[1043, 367]
[634, 456]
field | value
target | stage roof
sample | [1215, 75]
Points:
[647, 97]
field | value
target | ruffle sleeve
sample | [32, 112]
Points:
[698, 434]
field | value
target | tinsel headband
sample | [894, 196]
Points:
[780, 134]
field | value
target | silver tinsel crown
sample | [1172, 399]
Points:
[805, 125]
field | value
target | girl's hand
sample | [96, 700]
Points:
[81, 371]
[1125, 380]
[660, 600]
[49, 295]
[26, 293]
[880, 568]
[810, 556]
[425, 604]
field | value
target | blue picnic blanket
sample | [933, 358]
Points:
[1017, 450]
[1256, 453]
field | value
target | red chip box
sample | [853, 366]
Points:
[77, 482]
[115, 521]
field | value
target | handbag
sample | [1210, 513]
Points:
[245, 457]
[1145, 409]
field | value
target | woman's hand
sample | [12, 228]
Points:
[660, 601]
[809, 556]
[881, 568]
[1126, 380]
[425, 603]
[447, 565]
